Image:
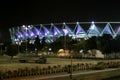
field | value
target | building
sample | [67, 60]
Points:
[75, 30]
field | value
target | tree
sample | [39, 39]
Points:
[55, 46]
[22, 47]
[12, 50]
[79, 45]
[104, 44]
[43, 42]
[91, 43]
[63, 42]
[116, 44]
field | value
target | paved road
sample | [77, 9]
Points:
[64, 75]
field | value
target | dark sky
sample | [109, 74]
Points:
[15, 13]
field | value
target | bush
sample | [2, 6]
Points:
[99, 67]
[113, 65]
[41, 60]
[23, 61]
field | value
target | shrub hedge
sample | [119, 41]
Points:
[57, 69]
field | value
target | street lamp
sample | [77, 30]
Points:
[18, 43]
[26, 39]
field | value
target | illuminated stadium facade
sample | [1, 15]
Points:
[75, 30]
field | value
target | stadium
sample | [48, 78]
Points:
[75, 30]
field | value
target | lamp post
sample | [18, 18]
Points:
[26, 39]
[18, 43]
[26, 28]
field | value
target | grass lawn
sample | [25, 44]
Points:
[7, 64]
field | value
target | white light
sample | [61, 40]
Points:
[38, 33]
[63, 23]
[26, 28]
[77, 23]
[55, 33]
[93, 27]
[32, 34]
[52, 24]
[92, 22]
[23, 26]
[29, 26]
[65, 31]
[81, 51]
[50, 49]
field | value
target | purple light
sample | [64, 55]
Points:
[19, 36]
[26, 34]
[93, 29]
[36, 31]
[79, 30]
[118, 30]
[65, 31]
[46, 31]
[107, 29]
[67, 28]
[56, 31]
[31, 34]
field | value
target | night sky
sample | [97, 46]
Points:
[15, 13]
